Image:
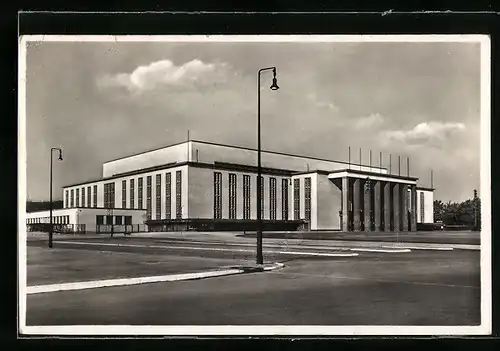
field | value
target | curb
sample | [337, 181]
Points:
[38, 289]
[385, 250]
[258, 268]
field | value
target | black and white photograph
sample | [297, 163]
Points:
[254, 185]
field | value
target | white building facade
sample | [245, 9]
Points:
[202, 182]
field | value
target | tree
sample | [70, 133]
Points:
[466, 213]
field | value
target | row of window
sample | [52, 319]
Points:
[272, 197]
[55, 220]
[109, 195]
[84, 201]
[116, 220]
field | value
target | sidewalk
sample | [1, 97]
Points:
[236, 238]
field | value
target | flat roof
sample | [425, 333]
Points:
[216, 165]
[243, 148]
[87, 208]
[425, 188]
[388, 175]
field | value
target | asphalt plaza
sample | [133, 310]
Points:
[421, 287]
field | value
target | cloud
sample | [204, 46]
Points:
[323, 104]
[166, 73]
[373, 120]
[425, 133]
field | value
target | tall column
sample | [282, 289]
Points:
[356, 200]
[397, 207]
[387, 206]
[404, 207]
[413, 209]
[368, 205]
[377, 208]
[345, 204]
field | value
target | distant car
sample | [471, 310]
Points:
[439, 225]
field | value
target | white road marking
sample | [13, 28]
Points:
[210, 249]
[388, 250]
[424, 248]
[313, 247]
[317, 247]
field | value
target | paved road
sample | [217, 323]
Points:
[416, 288]
[440, 237]
[437, 237]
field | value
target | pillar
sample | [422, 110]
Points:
[356, 199]
[368, 205]
[345, 204]
[396, 203]
[404, 207]
[377, 205]
[413, 208]
[387, 206]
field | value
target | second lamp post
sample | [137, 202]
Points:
[274, 86]
[50, 201]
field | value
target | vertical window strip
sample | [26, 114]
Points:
[296, 199]
[148, 197]
[132, 194]
[272, 198]
[178, 194]
[95, 195]
[307, 195]
[217, 195]
[89, 197]
[124, 194]
[67, 198]
[232, 196]
[83, 197]
[284, 199]
[246, 196]
[72, 198]
[139, 193]
[262, 197]
[77, 197]
[105, 195]
[168, 196]
[422, 208]
[158, 196]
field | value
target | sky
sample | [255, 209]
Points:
[104, 100]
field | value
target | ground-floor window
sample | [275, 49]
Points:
[99, 219]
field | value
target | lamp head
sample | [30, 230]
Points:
[274, 86]
[60, 155]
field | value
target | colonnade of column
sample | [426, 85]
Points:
[374, 205]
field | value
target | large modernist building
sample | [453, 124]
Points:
[204, 185]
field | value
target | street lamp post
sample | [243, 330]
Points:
[50, 201]
[274, 86]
